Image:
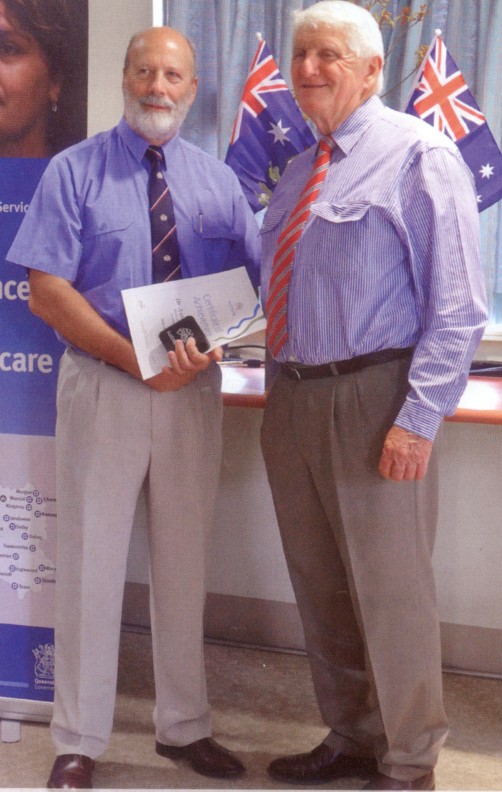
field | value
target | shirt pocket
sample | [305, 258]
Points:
[105, 238]
[97, 223]
[337, 239]
[212, 228]
[207, 242]
[346, 213]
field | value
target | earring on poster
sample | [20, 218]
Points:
[54, 97]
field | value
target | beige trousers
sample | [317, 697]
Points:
[113, 437]
[359, 554]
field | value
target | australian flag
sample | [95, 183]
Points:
[268, 130]
[441, 97]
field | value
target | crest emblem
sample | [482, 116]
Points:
[44, 665]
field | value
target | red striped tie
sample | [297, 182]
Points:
[277, 328]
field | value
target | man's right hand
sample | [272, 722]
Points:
[405, 455]
[186, 362]
[168, 380]
[57, 302]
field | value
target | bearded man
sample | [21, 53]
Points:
[88, 235]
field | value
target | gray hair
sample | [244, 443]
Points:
[364, 37]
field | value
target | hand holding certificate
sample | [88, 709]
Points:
[223, 305]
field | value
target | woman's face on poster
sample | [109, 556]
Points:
[27, 91]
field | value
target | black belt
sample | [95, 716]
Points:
[297, 371]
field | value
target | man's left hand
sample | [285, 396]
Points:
[405, 456]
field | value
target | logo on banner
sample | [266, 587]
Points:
[44, 666]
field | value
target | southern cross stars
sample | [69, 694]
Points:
[486, 171]
[279, 132]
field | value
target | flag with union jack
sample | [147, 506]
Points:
[441, 97]
[268, 130]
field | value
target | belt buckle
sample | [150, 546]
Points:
[296, 372]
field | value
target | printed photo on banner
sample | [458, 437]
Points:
[43, 109]
[43, 76]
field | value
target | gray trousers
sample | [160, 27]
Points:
[114, 436]
[359, 550]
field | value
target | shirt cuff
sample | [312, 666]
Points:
[419, 420]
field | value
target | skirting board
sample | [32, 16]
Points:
[276, 625]
[25, 710]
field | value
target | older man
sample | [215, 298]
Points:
[375, 305]
[87, 236]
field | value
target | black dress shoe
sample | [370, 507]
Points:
[320, 765]
[381, 781]
[71, 771]
[206, 757]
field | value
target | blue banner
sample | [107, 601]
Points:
[43, 111]
[26, 662]
[29, 349]
[29, 357]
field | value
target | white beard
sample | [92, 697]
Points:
[155, 124]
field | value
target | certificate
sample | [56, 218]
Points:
[224, 305]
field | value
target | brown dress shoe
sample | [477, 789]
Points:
[320, 765]
[206, 757]
[381, 781]
[71, 771]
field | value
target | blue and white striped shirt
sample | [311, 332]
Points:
[389, 257]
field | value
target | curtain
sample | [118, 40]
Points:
[223, 32]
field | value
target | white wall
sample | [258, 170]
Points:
[468, 554]
[247, 559]
[111, 25]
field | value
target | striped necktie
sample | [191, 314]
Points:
[277, 328]
[165, 249]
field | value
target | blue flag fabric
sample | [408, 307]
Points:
[268, 130]
[441, 97]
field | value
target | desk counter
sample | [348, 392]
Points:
[480, 403]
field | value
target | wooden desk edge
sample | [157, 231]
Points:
[491, 416]
[244, 400]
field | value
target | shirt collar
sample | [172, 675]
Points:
[138, 145]
[348, 133]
